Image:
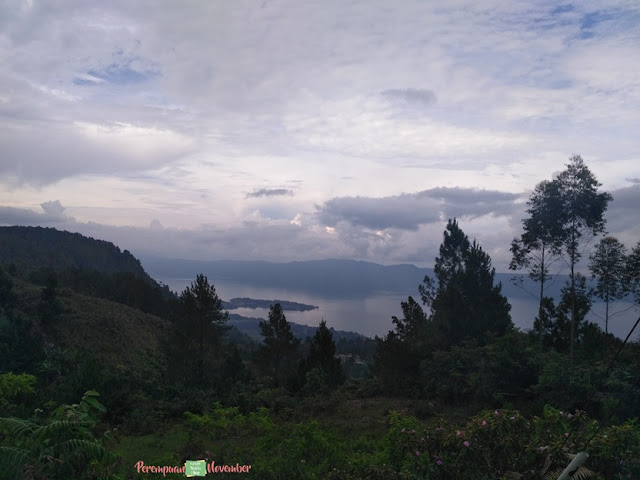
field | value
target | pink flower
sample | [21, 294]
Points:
[417, 453]
[569, 416]
[566, 435]
[439, 429]
[438, 462]
[459, 433]
[495, 412]
[484, 423]
[466, 444]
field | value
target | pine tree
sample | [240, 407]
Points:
[463, 300]
[202, 319]
[278, 355]
[322, 356]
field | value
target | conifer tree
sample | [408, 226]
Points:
[279, 354]
[322, 356]
[463, 299]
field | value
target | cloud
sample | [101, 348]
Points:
[269, 192]
[54, 209]
[410, 210]
[52, 215]
[411, 96]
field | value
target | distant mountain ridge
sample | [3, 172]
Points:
[331, 278]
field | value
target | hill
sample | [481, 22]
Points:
[36, 247]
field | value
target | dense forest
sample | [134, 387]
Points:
[104, 374]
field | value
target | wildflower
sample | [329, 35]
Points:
[484, 423]
[459, 433]
[566, 435]
[512, 417]
[439, 429]
[569, 416]
[438, 462]
[466, 444]
[422, 440]
[402, 431]
[417, 453]
[495, 412]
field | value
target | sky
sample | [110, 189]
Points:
[285, 130]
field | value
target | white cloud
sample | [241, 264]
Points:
[199, 113]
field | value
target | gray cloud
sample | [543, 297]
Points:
[411, 96]
[410, 210]
[54, 209]
[635, 180]
[269, 192]
[52, 215]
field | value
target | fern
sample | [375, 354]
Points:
[583, 473]
[17, 427]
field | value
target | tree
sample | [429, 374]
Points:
[400, 353]
[49, 307]
[607, 265]
[632, 272]
[322, 356]
[465, 302]
[541, 243]
[582, 214]
[279, 353]
[202, 318]
[571, 312]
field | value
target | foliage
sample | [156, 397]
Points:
[14, 387]
[607, 264]
[632, 272]
[278, 356]
[504, 443]
[63, 447]
[465, 302]
[322, 357]
[50, 307]
[202, 321]
[582, 216]
[540, 244]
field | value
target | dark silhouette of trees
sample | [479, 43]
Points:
[463, 300]
[278, 356]
[607, 265]
[202, 319]
[582, 214]
[322, 356]
[540, 244]
[50, 307]
[632, 272]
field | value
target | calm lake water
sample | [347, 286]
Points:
[371, 315]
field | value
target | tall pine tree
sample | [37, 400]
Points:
[463, 299]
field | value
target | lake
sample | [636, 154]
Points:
[371, 315]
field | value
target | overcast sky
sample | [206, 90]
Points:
[289, 130]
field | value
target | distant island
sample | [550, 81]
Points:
[256, 303]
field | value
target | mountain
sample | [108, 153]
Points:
[36, 247]
[332, 278]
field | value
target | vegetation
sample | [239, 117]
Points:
[452, 392]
